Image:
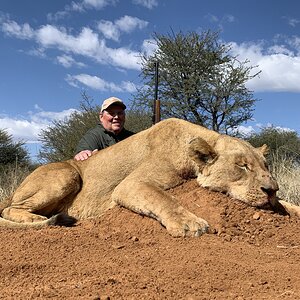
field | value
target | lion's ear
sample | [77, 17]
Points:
[200, 151]
[264, 150]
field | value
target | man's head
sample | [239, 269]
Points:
[112, 114]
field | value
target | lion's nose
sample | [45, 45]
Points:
[270, 187]
[269, 191]
[268, 183]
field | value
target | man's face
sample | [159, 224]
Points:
[113, 118]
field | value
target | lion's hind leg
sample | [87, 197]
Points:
[43, 193]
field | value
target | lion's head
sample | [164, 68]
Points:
[234, 167]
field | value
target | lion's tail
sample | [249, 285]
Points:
[60, 219]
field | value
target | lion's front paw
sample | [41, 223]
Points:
[184, 223]
[292, 209]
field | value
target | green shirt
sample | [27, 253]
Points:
[99, 138]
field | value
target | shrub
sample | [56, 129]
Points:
[282, 144]
[11, 151]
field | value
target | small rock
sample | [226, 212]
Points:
[256, 216]
[121, 246]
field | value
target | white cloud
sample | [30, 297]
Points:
[278, 128]
[146, 3]
[280, 66]
[294, 43]
[11, 28]
[109, 30]
[220, 21]
[280, 49]
[125, 58]
[292, 21]
[87, 43]
[100, 84]
[128, 23]
[80, 7]
[57, 16]
[229, 18]
[247, 131]
[97, 4]
[125, 24]
[128, 86]
[212, 18]
[149, 46]
[28, 127]
[244, 130]
[68, 61]
[38, 52]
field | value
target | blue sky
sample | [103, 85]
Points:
[50, 51]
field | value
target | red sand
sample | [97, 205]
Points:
[249, 254]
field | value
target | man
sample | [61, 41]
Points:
[108, 132]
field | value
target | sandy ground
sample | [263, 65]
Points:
[249, 254]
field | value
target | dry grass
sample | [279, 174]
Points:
[10, 178]
[287, 175]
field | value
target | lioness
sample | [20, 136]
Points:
[136, 173]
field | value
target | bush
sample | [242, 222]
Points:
[59, 140]
[137, 120]
[12, 152]
[282, 144]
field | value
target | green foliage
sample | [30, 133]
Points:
[14, 164]
[12, 152]
[137, 120]
[284, 145]
[60, 139]
[198, 81]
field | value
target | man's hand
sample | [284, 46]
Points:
[84, 154]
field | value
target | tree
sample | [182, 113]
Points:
[283, 145]
[199, 81]
[137, 120]
[12, 152]
[61, 138]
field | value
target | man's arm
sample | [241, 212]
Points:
[84, 154]
[95, 139]
[91, 142]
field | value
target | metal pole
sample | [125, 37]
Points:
[156, 104]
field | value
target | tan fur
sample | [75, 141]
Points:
[136, 173]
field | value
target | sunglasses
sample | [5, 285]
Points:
[116, 113]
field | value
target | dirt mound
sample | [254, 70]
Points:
[249, 254]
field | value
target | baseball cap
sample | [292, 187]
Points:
[110, 101]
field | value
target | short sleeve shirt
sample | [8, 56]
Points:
[99, 138]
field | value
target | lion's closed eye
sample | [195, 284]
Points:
[243, 166]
